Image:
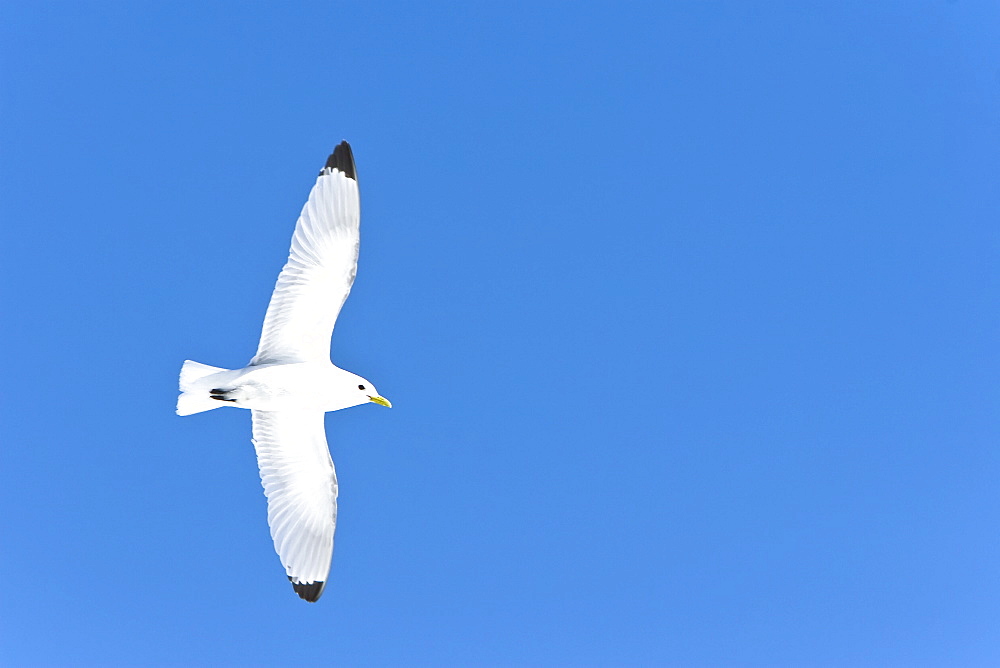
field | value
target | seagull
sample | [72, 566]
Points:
[290, 383]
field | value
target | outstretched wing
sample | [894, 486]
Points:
[317, 278]
[300, 484]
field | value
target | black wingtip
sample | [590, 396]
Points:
[342, 159]
[308, 591]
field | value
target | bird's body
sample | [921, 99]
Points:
[290, 383]
[317, 386]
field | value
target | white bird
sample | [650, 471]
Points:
[290, 383]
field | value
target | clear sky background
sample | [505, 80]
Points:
[688, 312]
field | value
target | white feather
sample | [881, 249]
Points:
[191, 399]
[317, 278]
[300, 484]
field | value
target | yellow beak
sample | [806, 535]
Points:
[381, 401]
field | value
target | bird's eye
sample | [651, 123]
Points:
[361, 387]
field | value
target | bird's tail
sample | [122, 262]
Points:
[194, 397]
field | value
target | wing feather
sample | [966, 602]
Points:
[319, 273]
[300, 484]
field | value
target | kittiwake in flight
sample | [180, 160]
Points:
[290, 383]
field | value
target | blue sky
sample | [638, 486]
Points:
[687, 311]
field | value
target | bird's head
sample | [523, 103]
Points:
[364, 392]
